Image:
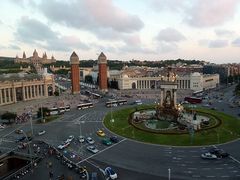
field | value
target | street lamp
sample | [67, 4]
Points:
[169, 174]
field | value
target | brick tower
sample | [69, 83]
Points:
[75, 75]
[102, 72]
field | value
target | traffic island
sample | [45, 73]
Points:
[221, 129]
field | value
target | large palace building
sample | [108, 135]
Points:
[147, 78]
[35, 59]
[24, 87]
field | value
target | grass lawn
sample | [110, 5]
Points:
[227, 131]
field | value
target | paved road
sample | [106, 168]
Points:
[132, 160]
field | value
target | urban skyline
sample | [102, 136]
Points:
[123, 30]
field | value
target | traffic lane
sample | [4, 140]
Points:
[156, 160]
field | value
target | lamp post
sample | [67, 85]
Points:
[169, 174]
[30, 114]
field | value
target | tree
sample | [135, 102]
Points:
[9, 116]
[43, 112]
[89, 79]
[56, 93]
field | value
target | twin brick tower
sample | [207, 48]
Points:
[75, 73]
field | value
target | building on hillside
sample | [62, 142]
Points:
[24, 87]
[35, 59]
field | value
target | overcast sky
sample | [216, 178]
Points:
[123, 29]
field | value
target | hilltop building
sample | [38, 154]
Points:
[35, 59]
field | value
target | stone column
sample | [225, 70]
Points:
[41, 90]
[27, 90]
[23, 92]
[4, 95]
[34, 91]
[14, 94]
[37, 90]
[30, 92]
[45, 90]
[1, 100]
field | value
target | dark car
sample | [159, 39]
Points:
[114, 139]
[20, 139]
[220, 153]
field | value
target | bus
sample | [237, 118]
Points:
[114, 103]
[198, 93]
[53, 111]
[193, 100]
[111, 103]
[61, 110]
[67, 108]
[84, 106]
[95, 95]
[122, 102]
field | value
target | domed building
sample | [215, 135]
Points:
[35, 59]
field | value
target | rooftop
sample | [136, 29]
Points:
[18, 77]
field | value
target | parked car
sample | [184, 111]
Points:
[90, 140]
[208, 155]
[107, 142]
[61, 146]
[22, 145]
[20, 139]
[41, 132]
[220, 153]
[100, 133]
[19, 131]
[110, 173]
[2, 126]
[70, 138]
[92, 149]
[114, 139]
[81, 139]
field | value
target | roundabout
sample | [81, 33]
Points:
[221, 128]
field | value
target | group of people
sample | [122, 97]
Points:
[24, 117]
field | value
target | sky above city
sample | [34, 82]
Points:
[123, 29]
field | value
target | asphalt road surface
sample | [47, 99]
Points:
[130, 159]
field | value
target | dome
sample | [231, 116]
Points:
[196, 74]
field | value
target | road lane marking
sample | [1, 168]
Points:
[235, 159]
[100, 151]
[210, 176]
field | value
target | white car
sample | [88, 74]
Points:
[61, 146]
[90, 140]
[81, 139]
[92, 149]
[2, 126]
[208, 155]
[110, 173]
[69, 139]
[41, 132]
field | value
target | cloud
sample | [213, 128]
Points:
[218, 43]
[205, 13]
[35, 32]
[236, 42]
[170, 35]
[172, 5]
[91, 15]
[13, 46]
[166, 47]
[224, 32]
[31, 30]
[203, 42]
